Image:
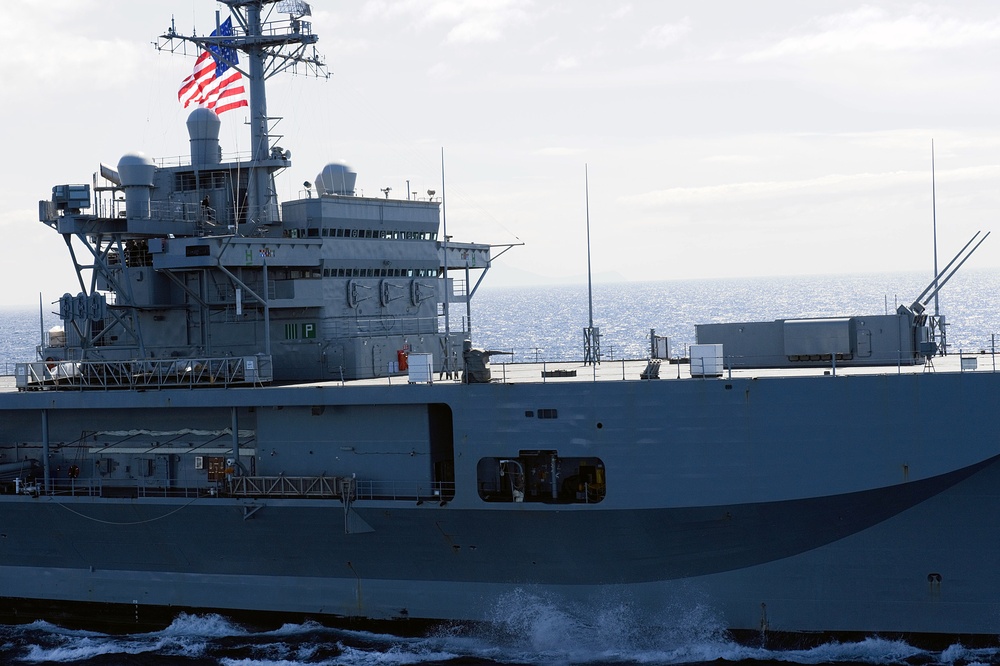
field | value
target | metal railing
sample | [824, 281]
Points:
[99, 488]
[345, 489]
[338, 487]
[405, 490]
[290, 486]
[144, 373]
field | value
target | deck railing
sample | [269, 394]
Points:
[345, 489]
[144, 373]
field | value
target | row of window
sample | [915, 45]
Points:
[206, 180]
[360, 233]
[298, 274]
[379, 272]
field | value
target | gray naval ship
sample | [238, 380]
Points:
[274, 409]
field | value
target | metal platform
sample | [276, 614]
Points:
[144, 373]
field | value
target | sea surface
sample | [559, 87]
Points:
[546, 324]
[529, 631]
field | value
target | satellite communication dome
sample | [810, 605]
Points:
[136, 169]
[136, 172]
[336, 178]
[203, 128]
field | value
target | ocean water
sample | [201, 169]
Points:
[20, 334]
[545, 323]
[532, 631]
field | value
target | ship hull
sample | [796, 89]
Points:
[916, 573]
[774, 504]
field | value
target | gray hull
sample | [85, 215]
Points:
[754, 497]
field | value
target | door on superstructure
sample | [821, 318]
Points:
[864, 343]
[379, 360]
[216, 466]
[442, 446]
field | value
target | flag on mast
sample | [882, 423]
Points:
[214, 83]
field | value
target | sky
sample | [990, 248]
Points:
[712, 139]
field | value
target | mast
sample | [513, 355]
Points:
[937, 311]
[938, 321]
[269, 47]
[258, 195]
[446, 364]
[590, 282]
[591, 335]
[41, 323]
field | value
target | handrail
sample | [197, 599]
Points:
[144, 373]
[343, 488]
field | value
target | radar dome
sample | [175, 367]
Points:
[336, 178]
[135, 169]
[203, 129]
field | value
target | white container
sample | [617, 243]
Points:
[706, 361]
[421, 368]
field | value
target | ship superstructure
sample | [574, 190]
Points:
[190, 264]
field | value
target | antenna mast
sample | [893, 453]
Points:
[446, 365]
[270, 47]
[591, 335]
[937, 311]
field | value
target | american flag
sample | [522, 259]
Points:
[214, 84]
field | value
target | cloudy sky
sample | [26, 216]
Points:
[722, 138]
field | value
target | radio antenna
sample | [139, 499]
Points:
[937, 310]
[591, 335]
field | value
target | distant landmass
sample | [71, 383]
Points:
[502, 275]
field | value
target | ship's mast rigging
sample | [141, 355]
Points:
[270, 47]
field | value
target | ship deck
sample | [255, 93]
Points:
[669, 370]
[674, 370]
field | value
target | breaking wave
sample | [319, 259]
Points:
[523, 628]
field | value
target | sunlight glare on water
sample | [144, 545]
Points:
[547, 322]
